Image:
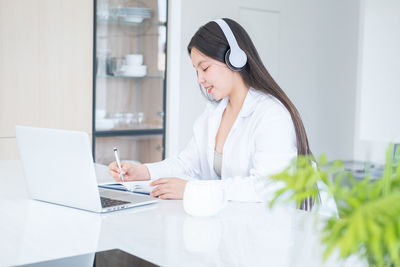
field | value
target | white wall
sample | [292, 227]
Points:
[314, 60]
[318, 70]
[378, 95]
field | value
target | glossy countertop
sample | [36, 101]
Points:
[242, 234]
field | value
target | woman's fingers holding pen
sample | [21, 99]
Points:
[130, 171]
[115, 171]
[125, 166]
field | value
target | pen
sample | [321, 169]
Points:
[116, 153]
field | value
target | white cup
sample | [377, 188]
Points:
[100, 113]
[134, 59]
[204, 198]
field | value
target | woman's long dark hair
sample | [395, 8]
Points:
[211, 41]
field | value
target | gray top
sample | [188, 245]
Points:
[217, 163]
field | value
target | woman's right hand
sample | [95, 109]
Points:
[131, 172]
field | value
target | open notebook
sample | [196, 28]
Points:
[142, 187]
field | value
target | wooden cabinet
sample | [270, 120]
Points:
[45, 67]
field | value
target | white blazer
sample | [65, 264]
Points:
[262, 142]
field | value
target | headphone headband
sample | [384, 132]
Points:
[235, 58]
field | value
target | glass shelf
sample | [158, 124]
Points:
[133, 132]
[122, 21]
[136, 77]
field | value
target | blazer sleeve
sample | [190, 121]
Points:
[275, 147]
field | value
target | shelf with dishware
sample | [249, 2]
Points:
[125, 22]
[128, 121]
[126, 76]
[131, 66]
[126, 14]
[126, 129]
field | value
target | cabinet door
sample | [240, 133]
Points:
[45, 67]
[129, 67]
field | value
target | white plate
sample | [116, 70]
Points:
[134, 19]
[133, 74]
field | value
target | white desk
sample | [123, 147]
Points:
[243, 234]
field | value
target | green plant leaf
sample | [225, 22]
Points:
[392, 243]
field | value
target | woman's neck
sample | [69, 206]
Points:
[237, 97]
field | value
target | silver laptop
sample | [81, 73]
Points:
[59, 168]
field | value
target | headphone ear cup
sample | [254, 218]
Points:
[228, 63]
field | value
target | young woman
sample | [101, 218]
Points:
[248, 131]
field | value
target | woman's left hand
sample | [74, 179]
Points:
[168, 188]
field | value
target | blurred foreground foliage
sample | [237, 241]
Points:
[369, 209]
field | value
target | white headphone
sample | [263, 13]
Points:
[235, 57]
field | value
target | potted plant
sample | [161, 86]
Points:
[369, 210]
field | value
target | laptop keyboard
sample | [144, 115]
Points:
[109, 202]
